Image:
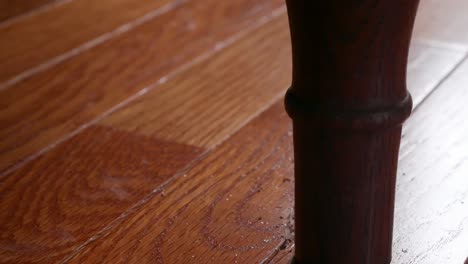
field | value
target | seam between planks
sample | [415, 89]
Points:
[139, 204]
[92, 43]
[285, 245]
[103, 232]
[33, 12]
[135, 207]
[442, 80]
[439, 45]
[216, 48]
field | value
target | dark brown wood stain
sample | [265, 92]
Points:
[348, 100]
[65, 197]
[11, 9]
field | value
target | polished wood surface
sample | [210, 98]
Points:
[128, 66]
[63, 198]
[172, 145]
[74, 27]
[12, 9]
[159, 119]
[203, 105]
[234, 205]
[348, 101]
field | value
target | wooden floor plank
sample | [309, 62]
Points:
[39, 41]
[284, 255]
[86, 86]
[58, 202]
[11, 9]
[431, 194]
[82, 170]
[103, 196]
[210, 101]
[432, 188]
[159, 231]
[233, 206]
[443, 21]
[257, 83]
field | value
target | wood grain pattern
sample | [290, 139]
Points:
[10, 9]
[432, 188]
[443, 21]
[232, 207]
[348, 100]
[17, 249]
[185, 119]
[56, 203]
[35, 40]
[431, 201]
[128, 66]
[208, 102]
[283, 256]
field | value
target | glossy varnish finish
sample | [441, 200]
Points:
[232, 207]
[62, 199]
[11, 9]
[131, 161]
[128, 65]
[186, 156]
[214, 98]
[75, 23]
[348, 101]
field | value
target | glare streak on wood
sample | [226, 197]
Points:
[126, 65]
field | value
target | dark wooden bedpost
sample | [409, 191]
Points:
[348, 101]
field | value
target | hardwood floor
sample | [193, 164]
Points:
[128, 66]
[10, 9]
[233, 205]
[154, 132]
[73, 27]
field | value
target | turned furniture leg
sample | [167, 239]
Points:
[348, 101]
